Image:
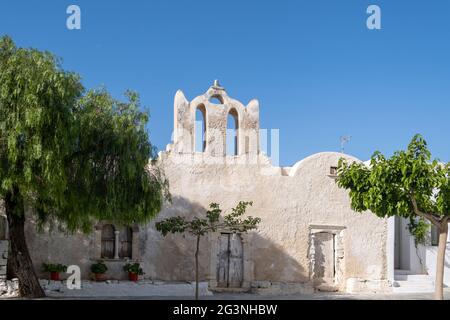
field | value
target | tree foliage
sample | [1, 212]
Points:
[200, 226]
[409, 184]
[76, 157]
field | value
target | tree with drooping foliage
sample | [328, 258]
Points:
[410, 185]
[199, 227]
[73, 157]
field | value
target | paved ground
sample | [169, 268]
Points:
[148, 290]
[248, 296]
[333, 296]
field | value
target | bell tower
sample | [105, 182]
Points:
[215, 106]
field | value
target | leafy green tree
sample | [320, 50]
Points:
[409, 185]
[199, 227]
[72, 157]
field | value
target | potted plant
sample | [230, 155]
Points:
[54, 270]
[134, 271]
[99, 269]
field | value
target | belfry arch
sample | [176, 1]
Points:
[216, 107]
[200, 128]
[232, 133]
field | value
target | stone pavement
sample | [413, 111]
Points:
[331, 296]
[249, 296]
[157, 290]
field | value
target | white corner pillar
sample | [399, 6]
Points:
[116, 244]
[390, 248]
[448, 236]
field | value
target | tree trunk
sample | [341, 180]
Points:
[439, 283]
[19, 259]
[196, 267]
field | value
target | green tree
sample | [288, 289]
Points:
[199, 227]
[409, 185]
[72, 157]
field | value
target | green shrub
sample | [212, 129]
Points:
[133, 268]
[99, 267]
[51, 267]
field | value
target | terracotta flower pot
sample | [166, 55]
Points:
[100, 277]
[133, 276]
[54, 276]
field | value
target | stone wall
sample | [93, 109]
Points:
[288, 205]
[3, 258]
[293, 204]
[8, 288]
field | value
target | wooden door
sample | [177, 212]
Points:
[125, 242]
[108, 241]
[222, 261]
[230, 261]
[236, 261]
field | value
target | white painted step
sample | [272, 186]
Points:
[405, 282]
[413, 277]
[413, 284]
[412, 289]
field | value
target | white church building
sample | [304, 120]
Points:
[309, 237]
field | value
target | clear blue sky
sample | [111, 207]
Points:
[316, 69]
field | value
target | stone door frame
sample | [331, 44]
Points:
[338, 234]
[248, 265]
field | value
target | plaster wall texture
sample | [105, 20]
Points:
[288, 200]
[287, 205]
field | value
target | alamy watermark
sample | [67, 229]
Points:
[74, 279]
[230, 146]
[73, 21]
[374, 20]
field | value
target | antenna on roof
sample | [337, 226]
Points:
[344, 140]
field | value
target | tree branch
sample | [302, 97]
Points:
[433, 219]
[445, 219]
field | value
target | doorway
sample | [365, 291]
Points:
[324, 267]
[402, 245]
[326, 254]
[230, 262]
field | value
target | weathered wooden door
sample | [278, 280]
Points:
[230, 261]
[324, 260]
[108, 241]
[125, 249]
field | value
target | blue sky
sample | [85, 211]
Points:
[316, 69]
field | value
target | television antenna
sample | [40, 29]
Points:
[344, 140]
